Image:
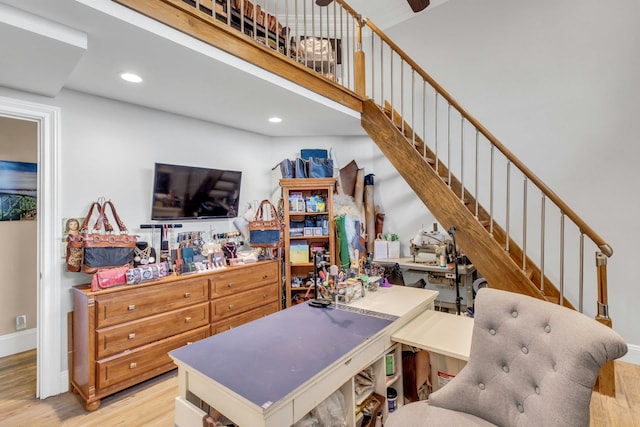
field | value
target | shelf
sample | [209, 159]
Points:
[296, 213]
[391, 380]
[360, 399]
[306, 187]
[379, 401]
[303, 264]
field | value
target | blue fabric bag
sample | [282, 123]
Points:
[316, 153]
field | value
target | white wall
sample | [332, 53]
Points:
[556, 82]
[109, 149]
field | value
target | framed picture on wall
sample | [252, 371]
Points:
[18, 191]
[71, 226]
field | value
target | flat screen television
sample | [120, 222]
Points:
[188, 192]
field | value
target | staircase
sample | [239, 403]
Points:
[480, 237]
[519, 234]
[464, 175]
[486, 253]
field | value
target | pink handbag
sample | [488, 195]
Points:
[108, 277]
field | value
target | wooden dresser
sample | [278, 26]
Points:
[121, 336]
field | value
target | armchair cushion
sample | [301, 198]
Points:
[422, 414]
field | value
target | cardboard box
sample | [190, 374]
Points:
[299, 253]
[296, 204]
[311, 206]
[296, 232]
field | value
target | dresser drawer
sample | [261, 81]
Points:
[143, 360]
[239, 279]
[135, 303]
[115, 339]
[239, 303]
[245, 317]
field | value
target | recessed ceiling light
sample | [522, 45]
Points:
[130, 77]
[275, 119]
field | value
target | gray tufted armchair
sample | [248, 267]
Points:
[532, 363]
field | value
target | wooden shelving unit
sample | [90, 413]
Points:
[296, 269]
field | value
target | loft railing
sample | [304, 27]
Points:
[286, 25]
[539, 230]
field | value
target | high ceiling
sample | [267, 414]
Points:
[84, 45]
[387, 13]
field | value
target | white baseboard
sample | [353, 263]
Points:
[64, 381]
[18, 342]
[633, 355]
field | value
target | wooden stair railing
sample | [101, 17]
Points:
[397, 77]
[406, 151]
[487, 255]
[531, 270]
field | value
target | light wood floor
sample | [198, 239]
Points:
[151, 403]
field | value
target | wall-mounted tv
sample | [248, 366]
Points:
[188, 192]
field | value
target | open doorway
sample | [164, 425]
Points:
[18, 225]
[52, 376]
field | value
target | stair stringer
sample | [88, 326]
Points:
[488, 256]
[530, 268]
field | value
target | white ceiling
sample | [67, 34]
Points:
[84, 45]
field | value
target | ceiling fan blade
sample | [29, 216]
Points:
[323, 2]
[416, 5]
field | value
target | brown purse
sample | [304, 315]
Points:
[74, 242]
[101, 248]
[265, 231]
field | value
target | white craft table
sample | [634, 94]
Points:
[272, 371]
[441, 279]
[446, 336]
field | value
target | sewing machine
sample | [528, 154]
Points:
[433, 255]
[432, 242]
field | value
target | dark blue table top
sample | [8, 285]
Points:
[267, 359]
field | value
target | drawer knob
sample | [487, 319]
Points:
[231, 306]
[133, 365]
[132, 336]
[230, 284]
[265, 276]
[132, 307]
[265, 296]
[187, 319]
[187, 294]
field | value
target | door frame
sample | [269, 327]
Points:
[52, 378]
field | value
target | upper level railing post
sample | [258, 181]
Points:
[359, 64]
[603, 303]
[605, 384]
